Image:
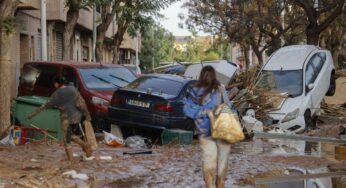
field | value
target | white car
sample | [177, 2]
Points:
[306, 74]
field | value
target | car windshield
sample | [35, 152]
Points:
[106, 77]
[290, 82]
[156, 85]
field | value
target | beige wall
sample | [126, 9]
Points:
[24, 45]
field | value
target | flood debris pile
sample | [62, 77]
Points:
[245, 96]
[335, 110]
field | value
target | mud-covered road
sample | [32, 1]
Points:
[42, 165]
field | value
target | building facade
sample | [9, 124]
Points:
[27, 37]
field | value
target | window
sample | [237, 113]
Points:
[157, 85]
[314, 67]
[85, 53]
[59, 46]
[70, 76]
[46, 75]
[310, 75]
[106, 77]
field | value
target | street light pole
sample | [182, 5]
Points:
[94, 33]
[43, 31]
[137, 48]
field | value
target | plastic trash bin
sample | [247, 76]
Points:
[48, 119]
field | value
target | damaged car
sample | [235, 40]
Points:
[305, 74]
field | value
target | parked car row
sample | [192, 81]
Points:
[115, 95]
[95, 82]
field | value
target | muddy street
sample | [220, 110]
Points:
[43, 165]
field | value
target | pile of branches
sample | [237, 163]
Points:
[336, 110]
[244, 96]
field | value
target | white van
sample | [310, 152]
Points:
[305, 73]
[224, 69]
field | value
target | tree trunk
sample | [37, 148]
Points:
[107, 18]
[99, 47]
[117, 40]
[259, 55]
[5, 66]
[312, 36]
[116, 54]
[71, 21]
[7, 10]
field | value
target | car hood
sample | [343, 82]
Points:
[288, 105]
[105, 94]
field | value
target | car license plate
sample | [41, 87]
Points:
[138, 103]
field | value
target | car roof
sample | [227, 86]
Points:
[290, 57]
[73, 64]
[168, 77]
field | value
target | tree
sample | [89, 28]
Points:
[134, 16]
[157, 46]
[7, 10]
[320, 14]
[109, 8]
[74, 6]
[211, 56]
[251, 23]
[334, 37]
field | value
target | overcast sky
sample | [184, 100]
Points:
[171, 22]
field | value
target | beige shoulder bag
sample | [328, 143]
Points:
[225, 124]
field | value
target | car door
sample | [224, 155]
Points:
[316, 73]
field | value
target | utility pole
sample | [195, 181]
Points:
[137, 48]
[152, 39]
[43, 31]
[94, 33]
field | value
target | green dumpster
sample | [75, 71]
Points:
[48, 119]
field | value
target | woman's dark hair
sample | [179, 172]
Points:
[207, 80]
[60, 80]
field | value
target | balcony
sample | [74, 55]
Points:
[29, 5]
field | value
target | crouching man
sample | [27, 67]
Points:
[72, 108]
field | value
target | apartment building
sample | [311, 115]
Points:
[27, 37]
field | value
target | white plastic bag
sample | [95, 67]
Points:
[138, 142]
[112, 140]
[8, 140]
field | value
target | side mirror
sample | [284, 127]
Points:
[311, 86]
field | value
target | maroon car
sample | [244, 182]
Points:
[96, 83]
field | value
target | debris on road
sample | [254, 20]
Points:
[112, 140]
[137, 152]
[336, 110]
[73, 174]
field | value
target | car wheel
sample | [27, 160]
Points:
[100, 125]
[127, 131]
[309, 121]
[332, 85]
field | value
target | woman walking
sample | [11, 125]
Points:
[215, 153]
